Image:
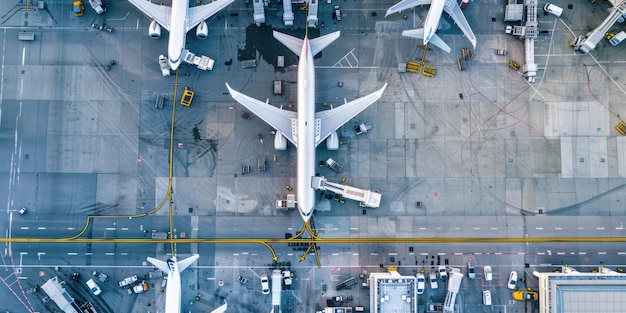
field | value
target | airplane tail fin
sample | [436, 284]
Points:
[183, 264]
[317, 44]
[435, 40]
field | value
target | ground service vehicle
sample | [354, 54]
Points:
[553, 9]
[94, 287]
[432, 277]
[337, 13]
[127, 281]
[23, 211]
[187, 97]
[363, 128]
[471, 270]
[421, 284]
[488, 273]
[79, 8]
[512, 280]
[334, 165]
[265, 284]
[443, 274]
[487, 297]
[619, 37]
[525, 295]
[141, 287]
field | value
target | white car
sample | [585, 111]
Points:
[443, 274]
[471, 270]
[23, 211]
[421, 284]
[512, 280]
[487, 297]
[265, 284]
[488, 273]
[432, 278]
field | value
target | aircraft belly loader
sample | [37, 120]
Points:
[165, 68]
[366, 198]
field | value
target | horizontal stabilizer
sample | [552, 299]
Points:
[334, 118]
[162, 265]
[434, 39]
[317, 44]
[184, 264]
[406, 4]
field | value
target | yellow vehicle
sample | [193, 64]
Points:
[523, 295]
[187, 97]
[79, 8]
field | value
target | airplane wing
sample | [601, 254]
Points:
[334, 118]
[277, 118]
[197, 14]
[162, 265]
[183, 264]
[453, 9]
[406, 4]
[160, 13]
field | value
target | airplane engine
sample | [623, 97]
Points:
[155, 30]
[202, 31]
[280, 142]
[332, 142]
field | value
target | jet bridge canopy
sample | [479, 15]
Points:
[367, 198]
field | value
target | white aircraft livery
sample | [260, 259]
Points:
[178, 20]
[306, 129]
[173, 268]
[431, 21]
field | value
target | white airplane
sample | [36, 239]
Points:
[306, 129]
[178, 20]
[173, 268]
[431, 22]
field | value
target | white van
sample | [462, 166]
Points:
[94, 287]
[553, 9]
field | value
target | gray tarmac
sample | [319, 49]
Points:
[79, 140]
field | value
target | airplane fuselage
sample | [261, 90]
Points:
[306, 131]
[178, 32]
[431, 22]
[172, 290]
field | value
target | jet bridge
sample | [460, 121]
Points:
[590, 40]
[259, 12]
[366, 198]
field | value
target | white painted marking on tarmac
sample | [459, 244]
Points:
[581, 228]
[355, 254]
[422, 228]
[354, 228]
[558, 228]
[110, 228]
[137, 27]
[235, 254]
[621, 253]
[456, 228]
[582, 253]
[458, 253]
[72, 253]
[476, 228]
[335, 254]
[124, 228]
[373, 253]
[424, 253]
[41, 227]
[24, 227]
[601, 252]
[600, 228]
[539, 228]
[560, 253]
[392, 253]
[88, 253]
[109, 253]
[498, 253]
[494, 228]
[520, 253]
[441, 253]
[541, 253]
[23, 54]
[124, 253]
[70, 228]
[478, 253]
